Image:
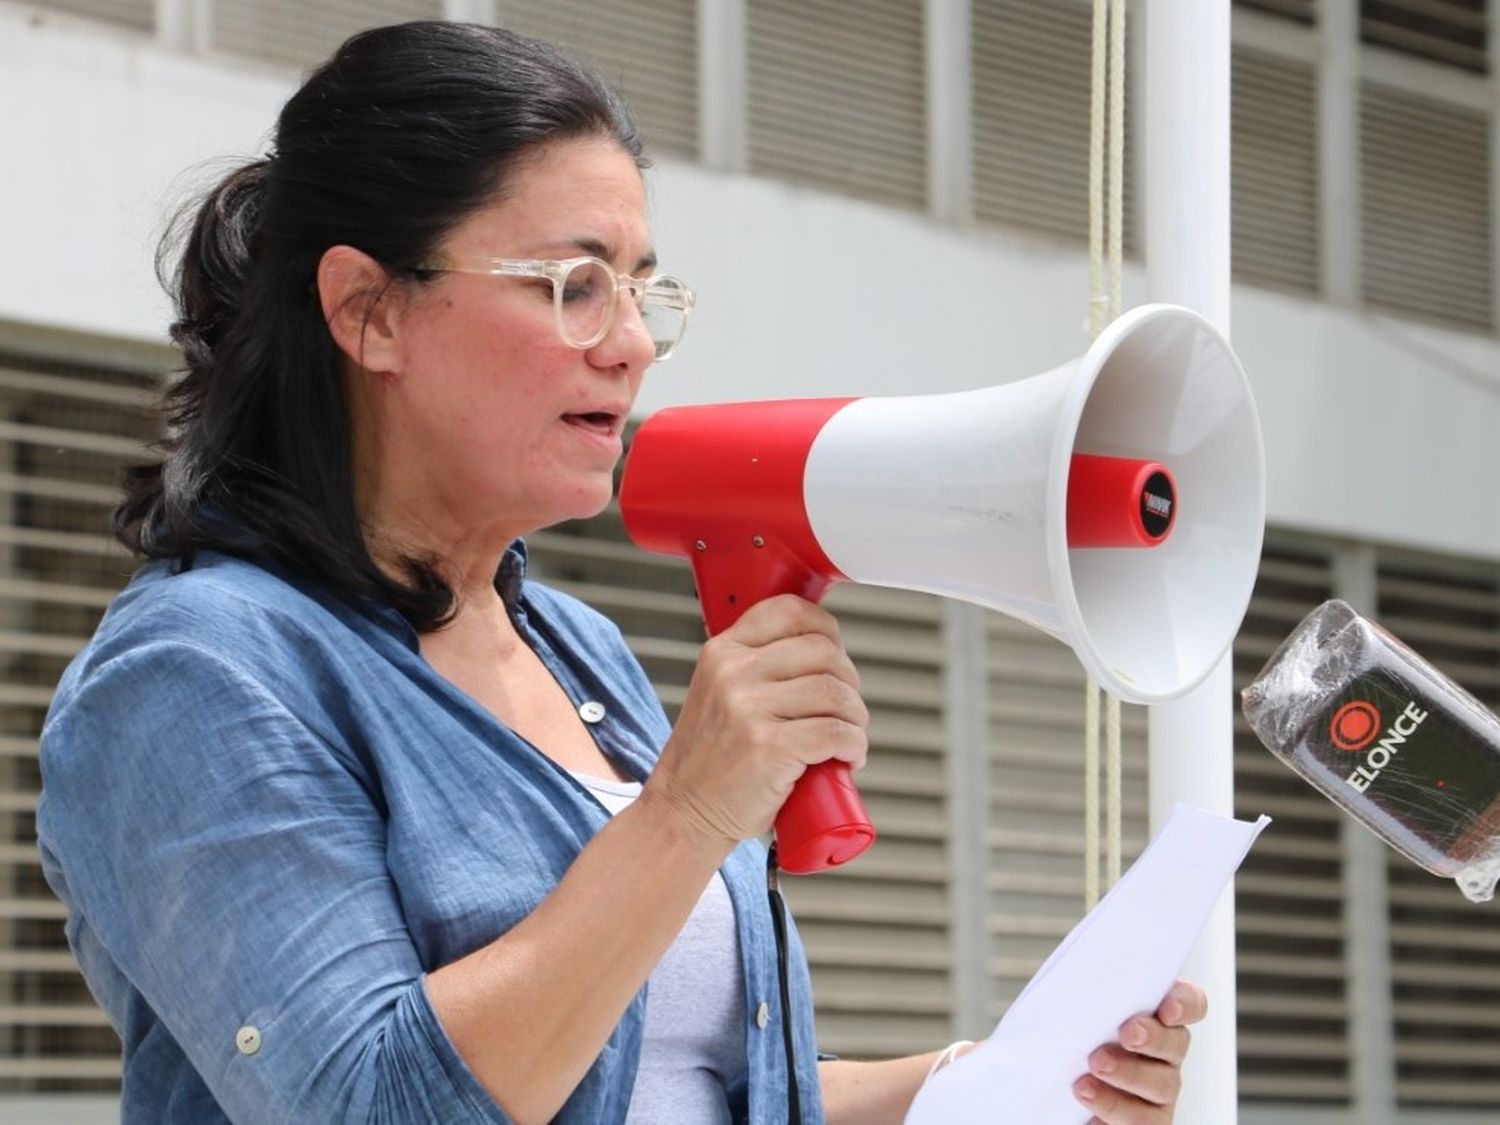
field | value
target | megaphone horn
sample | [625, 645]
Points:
[1116, 502]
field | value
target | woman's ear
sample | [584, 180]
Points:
[362, 306]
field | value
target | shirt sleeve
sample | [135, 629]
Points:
[231, 862]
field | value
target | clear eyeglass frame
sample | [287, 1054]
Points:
[659, 294]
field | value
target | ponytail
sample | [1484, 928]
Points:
[215, 261]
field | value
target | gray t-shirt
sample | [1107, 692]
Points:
[694, 1038]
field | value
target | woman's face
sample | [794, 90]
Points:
[497, 423]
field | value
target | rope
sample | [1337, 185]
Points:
[1106, 265]
[1098, 293]
[1113, 763]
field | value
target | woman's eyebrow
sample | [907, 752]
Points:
[597, 249]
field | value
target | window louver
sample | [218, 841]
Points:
[837, 96]
[1446, 31]
[1037, 798]
[302, 33]
[64, 432]
[138, 14]
[1445, 951]
[1426, 215]
[1275, 172]
[1293, 1014]
[1300, 11]
[646, 49]
[1031, 118]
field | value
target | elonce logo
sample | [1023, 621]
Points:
[1354, 725]
[1404, 727]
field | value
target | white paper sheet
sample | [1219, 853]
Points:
[1119, 961]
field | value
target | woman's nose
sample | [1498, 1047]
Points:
[628, 342]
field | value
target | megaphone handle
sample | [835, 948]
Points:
[823, 822]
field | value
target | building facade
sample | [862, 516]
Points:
[878, 196]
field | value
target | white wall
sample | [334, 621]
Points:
[1376, 428]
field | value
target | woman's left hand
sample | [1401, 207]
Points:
[1136, 1081]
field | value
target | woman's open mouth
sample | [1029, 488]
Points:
[597, 422]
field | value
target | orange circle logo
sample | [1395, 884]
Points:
[1354, 725]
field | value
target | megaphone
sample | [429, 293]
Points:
[1116, 502]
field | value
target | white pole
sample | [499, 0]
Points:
[950, 127]
[723, 85]
[1187, 263]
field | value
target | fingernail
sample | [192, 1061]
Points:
[1101, 1062]
[1171, 1011]
[1134, 1035]
[1086, 1089]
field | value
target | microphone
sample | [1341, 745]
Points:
[1390, 739]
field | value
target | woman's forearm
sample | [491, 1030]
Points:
[530, 1012]
[872, 1093]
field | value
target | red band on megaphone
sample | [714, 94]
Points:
[1119, 502]
[721, 485]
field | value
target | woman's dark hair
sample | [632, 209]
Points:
[400, 136]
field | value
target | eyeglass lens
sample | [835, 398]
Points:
[588, 294]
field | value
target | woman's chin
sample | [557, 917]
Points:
[587, 503]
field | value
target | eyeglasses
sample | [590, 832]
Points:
[586, 296]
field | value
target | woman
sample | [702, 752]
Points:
[352, 821]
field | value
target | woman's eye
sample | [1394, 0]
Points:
[587, 281]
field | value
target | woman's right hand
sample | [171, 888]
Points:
[771, 695]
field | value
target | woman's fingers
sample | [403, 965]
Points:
[1151, 1080]
[785, 615]
[1144, 1035]
[817, 695]
[1137, 1081]
[1111, 1105]
[1185, 1003]
[807, 654]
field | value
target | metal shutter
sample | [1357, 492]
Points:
[1037, 798]
[1301, 11]
[1448, 31]
[645, 49]
[1426, 211]
[302, 33]
[1293, 1015]
[1031, 62]
[1275, 172]
[876, 931]
[1445, 951]
[64, 431]
[139, 14]
[837, 96]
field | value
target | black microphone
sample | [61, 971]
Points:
[1389, 738]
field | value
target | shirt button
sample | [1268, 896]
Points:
[247, 1039]
[762, 1015]
[591, 712]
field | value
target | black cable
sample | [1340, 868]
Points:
[778, 922]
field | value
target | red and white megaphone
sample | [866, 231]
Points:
[1116, 502]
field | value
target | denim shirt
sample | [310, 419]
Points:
[270, 817]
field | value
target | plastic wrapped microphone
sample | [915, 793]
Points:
[1388, 737]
